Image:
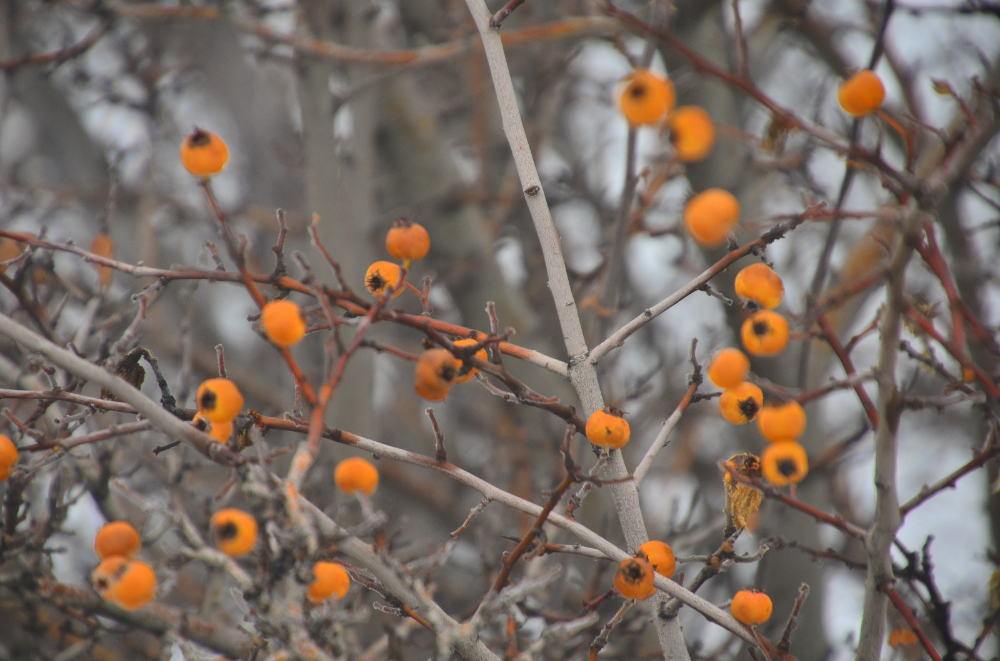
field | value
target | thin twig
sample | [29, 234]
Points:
[476, 511]
[439, 452]
[661, 438]
[793, 618]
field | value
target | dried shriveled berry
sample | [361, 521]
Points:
[861, 93]
[481, 355]
[634, 579]
[128, 583]
[784, 463]
[741, 403]
[204, 153]
[235, 531]
[283, 322]
[8, 456]
[219, 400]
[356, 474]
[660, 555]
[729, 368]
[330, 579]
[742, 501]
[607, 430]
[758, 283]
[116, 538]
[764, 333]
[645, 97]
[436, 371]
[782, 422]
[407, 240]
[710, 216]
[382, 276]
[103, 246]
[691, 132]
[751, 607]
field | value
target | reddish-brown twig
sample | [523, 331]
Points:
[956, 351]
[935, 261]
[786, 636]
[504, 12]
[58, 56]
[849, 290]
[823, 391]
[236, 254]
[93, 437]
[529, 537]
[911, 619]
[439, 452]
[989, 449]
[350, 302]
[476, 511]
[822, 517]
[848, 365]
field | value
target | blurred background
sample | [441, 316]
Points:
[364, 111]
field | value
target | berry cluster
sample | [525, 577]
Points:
[120, 578]
[764, 333]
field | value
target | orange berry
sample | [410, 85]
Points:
[220, 431]
[758, 283]
[283, 322]
[729, 368]
[407, 240]
[129, 583]
[330, 579]
[103, 246]
[691, 132]
[751, 607]
[861, 93]
[436, 371]
[8, 456]
[235, 531]
[356, 474]
[782, 422]
[634, 579]
[116, 538]
[765, 333]
[203, 153]
[741, 403]
[645, 97]
[899, 637]
[481, 354]
[607, 430]
[661, 556]
[381, 276]
[219, 400]
[784, 463]
[710, 216]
